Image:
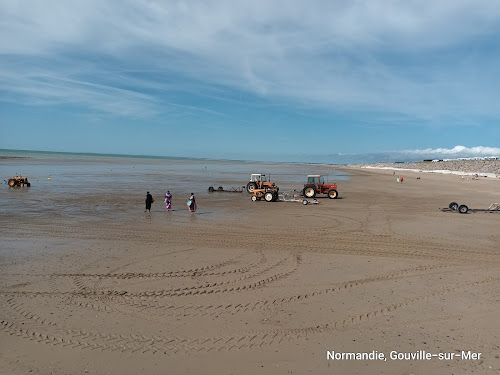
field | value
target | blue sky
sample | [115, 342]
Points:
[265, 80]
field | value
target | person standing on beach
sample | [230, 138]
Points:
[192, 203]
[149, 200]
[168, 201]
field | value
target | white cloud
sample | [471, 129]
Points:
[457, 151]
[402, 57]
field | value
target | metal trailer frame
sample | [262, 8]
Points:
[463, 209]
[220, 189]
[295, 196]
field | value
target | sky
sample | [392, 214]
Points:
[261, 80]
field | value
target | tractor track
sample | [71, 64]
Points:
[34, 327]
[209, 288]
[195, 272]
[215, 311]
[356, 244]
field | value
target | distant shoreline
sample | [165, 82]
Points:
[482, 168]
[486, 165]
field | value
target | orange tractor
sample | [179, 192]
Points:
[269, 193]
[18, 181]
[316, 185]
[259, 181]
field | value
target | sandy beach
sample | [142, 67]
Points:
[244, 287]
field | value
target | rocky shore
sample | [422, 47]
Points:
[490, 168]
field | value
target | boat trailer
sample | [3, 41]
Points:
[463, 209]
[220, 189]
[296, 196]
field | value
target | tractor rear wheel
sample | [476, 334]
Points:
[453, 206]
[332, 194]
[251, 186]
[269, 196]
[309, 192]
[463, 209]
[254, 198]
[12, 182]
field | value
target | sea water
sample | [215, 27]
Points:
[56, 176]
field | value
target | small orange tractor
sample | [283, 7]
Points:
[18, 181]
[316, 185]
[258, 181]
[269, 193]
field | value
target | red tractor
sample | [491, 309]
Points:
[316, 185]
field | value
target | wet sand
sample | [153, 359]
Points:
[245, 287]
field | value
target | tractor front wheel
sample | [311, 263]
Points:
[269, 197]
[332, 194]
[309, 192]
[254, 198]
[251, 186]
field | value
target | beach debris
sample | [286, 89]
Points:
[211, 189]
[463, 209]
[316, 185]
[259, 180]
[18, 181]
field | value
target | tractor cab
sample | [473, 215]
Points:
[315, 179]
[259, 181]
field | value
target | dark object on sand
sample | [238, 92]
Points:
[221, 189]
[18, 181]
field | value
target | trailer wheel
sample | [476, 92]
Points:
[332, 194]
[453, 206]
[305, 202]
[268, 196]
[463, 209]
[309, 192]
[254, 198]
[251, 186]
[211, 189]
[220, 188]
